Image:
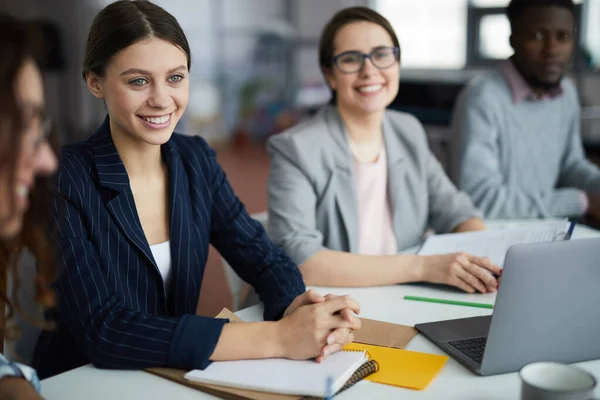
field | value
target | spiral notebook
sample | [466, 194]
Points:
[236, 393]
[283, 376]
[403, 368]
[230, 393]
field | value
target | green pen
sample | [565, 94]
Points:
[453, 302]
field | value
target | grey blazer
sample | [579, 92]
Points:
[312, 196]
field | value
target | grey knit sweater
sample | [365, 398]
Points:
[522, 160]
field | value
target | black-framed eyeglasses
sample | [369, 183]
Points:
[36, 119]
[45, 130]
[354, 61]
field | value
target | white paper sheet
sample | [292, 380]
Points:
[493, 243]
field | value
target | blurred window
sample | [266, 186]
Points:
[451, 34]
[432, 33]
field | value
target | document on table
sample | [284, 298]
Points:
[493, 243]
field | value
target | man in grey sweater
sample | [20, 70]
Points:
[518, 149]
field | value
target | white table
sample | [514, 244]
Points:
[380, 303]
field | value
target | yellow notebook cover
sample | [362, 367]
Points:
[404, 368]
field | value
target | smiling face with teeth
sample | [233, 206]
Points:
[146, 90]
[369, 90]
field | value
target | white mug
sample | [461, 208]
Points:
[555, 381]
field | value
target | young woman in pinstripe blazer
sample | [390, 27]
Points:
[135, 210]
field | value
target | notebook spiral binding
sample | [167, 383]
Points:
[368, 368]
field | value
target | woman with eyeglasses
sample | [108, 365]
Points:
[355, 185]
[26, 158]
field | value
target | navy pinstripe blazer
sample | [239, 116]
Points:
[113, 308]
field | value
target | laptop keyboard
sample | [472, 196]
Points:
[472, 348]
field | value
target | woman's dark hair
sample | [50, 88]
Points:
[21, 42]
[123, 23]
[337, 22]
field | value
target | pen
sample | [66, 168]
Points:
[456, 303]
[570, 230]
[329, 389]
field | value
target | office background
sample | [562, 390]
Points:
[255, 72]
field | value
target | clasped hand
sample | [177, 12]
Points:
[315, 326]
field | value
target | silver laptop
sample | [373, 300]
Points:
[547, 309]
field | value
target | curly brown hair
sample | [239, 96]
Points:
[20, 42]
